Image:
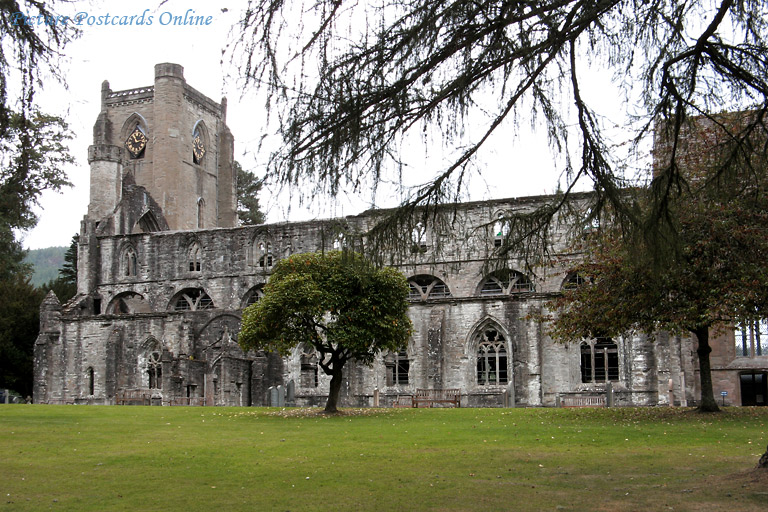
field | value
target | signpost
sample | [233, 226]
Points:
[723, 394]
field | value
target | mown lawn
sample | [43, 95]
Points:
[222, 459]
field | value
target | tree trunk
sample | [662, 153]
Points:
[333, 394]
[708, 403]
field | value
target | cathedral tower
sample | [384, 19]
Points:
[161, 159]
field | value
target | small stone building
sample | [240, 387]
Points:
[165, 273]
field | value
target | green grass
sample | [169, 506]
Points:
[223, 459]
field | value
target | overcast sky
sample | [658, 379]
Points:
[126, 55]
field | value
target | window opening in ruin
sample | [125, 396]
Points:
[195, 265]
[599, 361]
[491, 358]
[397, 365]
[504, 282]
[191, 390]
[96, 306]
[254, 296]
[91, 381]
[155, 371]
[426, 286]
[419, 238]
[339, 242]
[573, 280]
[500, 231]
[266, 260]
[309, 374]
[130, 262]
[752, 338]
[193, 299]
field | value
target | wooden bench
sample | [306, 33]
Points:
[430, 397]
[403, 401]
[133, 397]
[583, 401]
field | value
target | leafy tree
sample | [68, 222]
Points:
[363, 81]
[248, 188]
[19, 324]
[719, 277]
[339, 303]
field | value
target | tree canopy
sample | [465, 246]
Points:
[248, 188]
[338, 303]
[353, 83]
[719, 277]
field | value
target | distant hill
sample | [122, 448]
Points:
[46, 263]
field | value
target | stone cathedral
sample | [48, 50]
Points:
[164, 273]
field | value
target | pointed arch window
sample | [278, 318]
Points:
[194, 260]
[129, 263]
[425, 286]
[264, 250]
[155, 370]
[500, 230]
[503, 282]
[491, 357]
[200, 213]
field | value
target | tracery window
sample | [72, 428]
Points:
[500, 231]
[266, 260]
[491, 357]
[398, 365]
[192, 299]
[155, 371]
[504, 282]
[425, 286]
[129, 265]
[752, 338]
[195, 263]
[599, 361]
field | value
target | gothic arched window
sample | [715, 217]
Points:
[195, 260]
[491, 357]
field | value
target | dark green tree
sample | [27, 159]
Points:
[365, 80]
[19, 324]
[719, 277]
[341, 304]
[248, 188]
[68, 271]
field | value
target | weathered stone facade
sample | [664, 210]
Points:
[163, 282]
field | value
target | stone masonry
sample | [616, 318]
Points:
[165, 273]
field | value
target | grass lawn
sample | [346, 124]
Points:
[222, 459]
